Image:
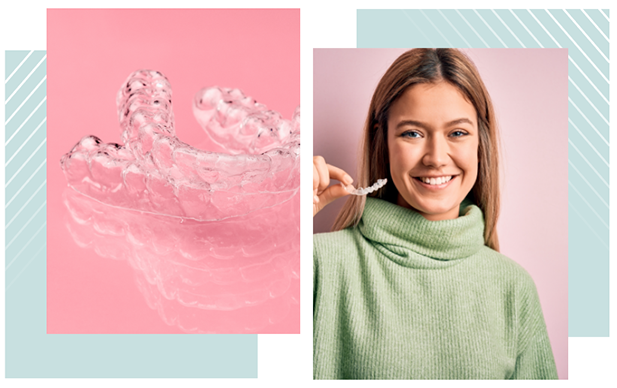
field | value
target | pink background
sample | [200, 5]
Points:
[90, 54]
[529, 88]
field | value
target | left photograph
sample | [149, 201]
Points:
[173, 147]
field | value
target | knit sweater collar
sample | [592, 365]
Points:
[398, 230]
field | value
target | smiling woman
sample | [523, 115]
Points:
[411, 285]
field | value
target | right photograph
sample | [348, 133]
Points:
[440, 213]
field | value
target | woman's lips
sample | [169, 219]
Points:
[434, 186]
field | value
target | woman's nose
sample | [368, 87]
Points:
[436, 153]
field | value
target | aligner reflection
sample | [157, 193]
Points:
[238, 275]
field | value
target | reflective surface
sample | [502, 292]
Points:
[239, 275]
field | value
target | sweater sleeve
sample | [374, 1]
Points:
[535, 357]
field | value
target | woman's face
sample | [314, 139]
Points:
[433, 147]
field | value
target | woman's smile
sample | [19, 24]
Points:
[435, 182]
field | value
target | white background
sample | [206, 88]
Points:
[286, 360]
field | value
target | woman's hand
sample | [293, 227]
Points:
[322, 173]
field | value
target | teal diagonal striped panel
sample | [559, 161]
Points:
[25, 163]
[585, 33]
[29, 351]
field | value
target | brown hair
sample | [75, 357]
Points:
[428, 66]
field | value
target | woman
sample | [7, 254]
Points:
[411, 285]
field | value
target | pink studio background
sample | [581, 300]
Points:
[90, 54]
[529, 88]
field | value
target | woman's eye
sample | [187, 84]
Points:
[458, 133]
[411, 134]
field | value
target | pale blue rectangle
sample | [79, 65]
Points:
[588, 304]
[29, 350]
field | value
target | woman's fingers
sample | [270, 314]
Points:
[323, 193]
[332, 193]
[327, 196]
[323, 172]
[323, 175]
[315, 183]
[339, 175]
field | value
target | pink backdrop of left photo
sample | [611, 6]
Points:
[98, 282]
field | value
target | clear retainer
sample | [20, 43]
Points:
[364, 191]
[156, 172]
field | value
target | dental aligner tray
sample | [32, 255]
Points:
[153, 171]
[364, 191]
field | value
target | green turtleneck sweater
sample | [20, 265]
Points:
[400, 297]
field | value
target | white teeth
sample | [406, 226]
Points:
[436, 181]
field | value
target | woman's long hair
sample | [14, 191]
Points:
[419, 66]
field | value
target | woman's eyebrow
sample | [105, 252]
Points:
[420, 124]
[412, 122]
[459, 121]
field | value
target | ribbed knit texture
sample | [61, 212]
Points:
[400, 297]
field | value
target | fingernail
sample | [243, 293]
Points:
[315, 199]
[347, 179]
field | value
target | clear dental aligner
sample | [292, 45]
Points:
[241, 124]
[360, 191]
[154, 171]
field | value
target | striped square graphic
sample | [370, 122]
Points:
[30, 352]
[585, 33]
